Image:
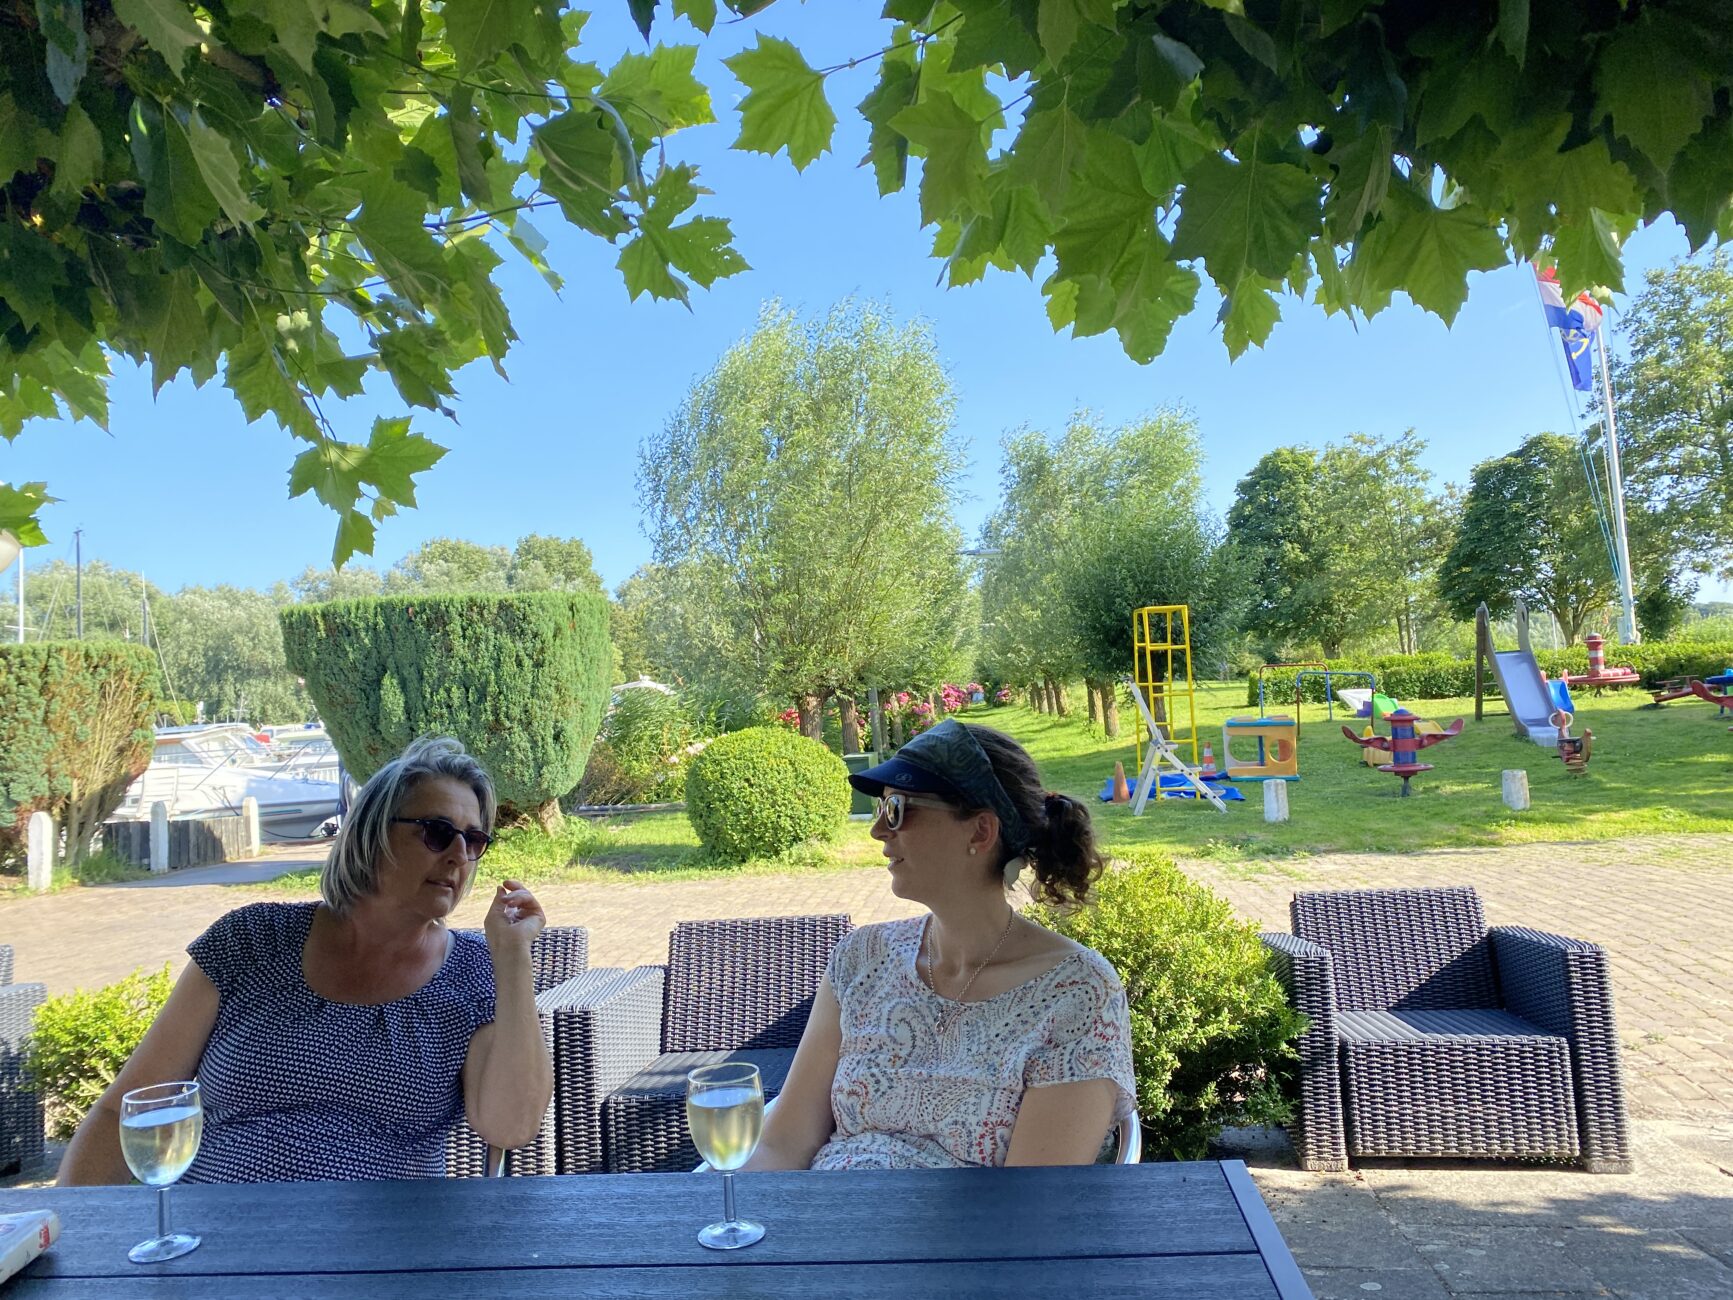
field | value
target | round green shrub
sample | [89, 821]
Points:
[80, 1040]
[759, 792]
[1211, 1030]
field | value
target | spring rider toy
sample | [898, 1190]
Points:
[1403, 745]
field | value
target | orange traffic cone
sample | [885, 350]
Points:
[1121, 791]
[1207, 767]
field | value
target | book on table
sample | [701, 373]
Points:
[25, 1236]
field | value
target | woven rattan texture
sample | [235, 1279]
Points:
[745, 983]
[1444, 960]
[20, 1104]
[644, 1121]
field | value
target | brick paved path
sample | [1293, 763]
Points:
[1663, 907]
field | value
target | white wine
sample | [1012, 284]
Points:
[160, 1144]
[726, 1124]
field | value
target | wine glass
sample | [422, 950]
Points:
[725, 1111]
[160, 1130]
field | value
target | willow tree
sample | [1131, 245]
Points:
[800, 501]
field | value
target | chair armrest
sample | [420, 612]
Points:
[607, 1026]
[5, 963]
[21, 1119]
[1564, 986]
[1307, 971]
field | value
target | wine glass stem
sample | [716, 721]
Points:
[162, 1211]
[728, 1196]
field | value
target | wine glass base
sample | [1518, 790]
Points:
[176, 1244]
[731, 1235]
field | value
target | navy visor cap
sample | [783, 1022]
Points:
[949, 762]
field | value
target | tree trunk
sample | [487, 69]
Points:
[1059, 706]
[1110, 710]
[549, 816]
[936, 705]
[850, 725]
[811, 716]
[1090, 692]
[896, 720]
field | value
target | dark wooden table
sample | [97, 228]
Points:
[1196, 1230]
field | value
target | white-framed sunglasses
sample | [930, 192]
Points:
[894, 807]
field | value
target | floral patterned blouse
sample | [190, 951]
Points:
[913, 1093]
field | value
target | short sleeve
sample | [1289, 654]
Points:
[844, 965]
[1088, 1035]
[238, 946]
[472, 971]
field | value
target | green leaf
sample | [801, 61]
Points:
[480, 29]
[1513, 28]
[785, 107]
[389, 223]
[997, 32]
[888, 148]
[643, 15]
[1245, 216]
[166, 25]
[1588, 254]
[355, 535]
[18, 508]
[20, 137]
[414, 355]
[661, 85]
[1141, 297]
[954, 176]
[1248, 314]
[581, 168]
[700, 13]
[1049, 151]
[1061, 300]
[78, 158]
[394, 457]
[1254, 40]
[221, 171]
[534, 246]
[700, 248]
[1059, 22]
[466, 146]
[260, 381]
[1174, 145]
[409, 35]
[1109, 212]
[61, 23]
[1363, 167]
[1425, 251]
[1649, 81]
[177, 337]
[331, 470]
[1166, 68]
[1701, 183]
[176, 196]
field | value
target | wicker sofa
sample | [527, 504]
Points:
[734, 990]
[20, 1104]
[1431, 1035]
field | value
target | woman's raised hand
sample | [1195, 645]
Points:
[515, 916]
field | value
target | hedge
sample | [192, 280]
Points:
[79, 1041]
[1441, 676]
[759, 792]
[74, 733]
[521, 680]
[1211, 1029]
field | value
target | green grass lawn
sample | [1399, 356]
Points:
[1654, 772]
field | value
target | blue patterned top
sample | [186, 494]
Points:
[299, 1088]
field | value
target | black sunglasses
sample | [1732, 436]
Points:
[437, 834]
[894, 807]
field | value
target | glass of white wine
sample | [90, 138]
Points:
[160, 1130]
[725, 1111]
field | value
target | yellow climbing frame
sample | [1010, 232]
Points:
[1161, 666]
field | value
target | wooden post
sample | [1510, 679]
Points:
[1275, 801]
[250, 823]
[39, 852]
[159, 836]
[1516, 790]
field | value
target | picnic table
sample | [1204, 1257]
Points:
[1197, 1230]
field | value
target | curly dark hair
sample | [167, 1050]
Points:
[1062, 851]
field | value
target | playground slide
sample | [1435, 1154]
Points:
[1520, 682]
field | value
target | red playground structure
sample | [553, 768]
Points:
[1403, 745]
[1721, 702]
[1599, 675]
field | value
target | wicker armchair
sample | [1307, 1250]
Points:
[1431, 1035]
[557, 956]
[20, 1104]
[736, 990]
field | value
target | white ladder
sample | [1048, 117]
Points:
[1159, 749]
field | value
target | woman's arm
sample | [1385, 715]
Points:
[1062, 1123]
[802, 1120]
[170, 1051]
[507, 1076]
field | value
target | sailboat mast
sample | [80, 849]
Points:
[1628, 634]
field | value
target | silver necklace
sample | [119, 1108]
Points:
[945, 1013]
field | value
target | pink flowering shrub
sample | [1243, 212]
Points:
[1002, 695]
[953, 697]
[789, 717]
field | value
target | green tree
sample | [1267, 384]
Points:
[800, 501]
[1530, 529]
[258, 189]
[1675, 409]
[351, 582]
[114, 601]
[541, 563]
[223, 647]
[446, 565]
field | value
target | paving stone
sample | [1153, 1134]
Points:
[1713, 1239]
[1384, 1284]
[1369, 1242]
[1622, 1258]
[1479, 1261]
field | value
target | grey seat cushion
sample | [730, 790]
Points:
[1399, 1026]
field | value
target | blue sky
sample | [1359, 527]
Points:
[183, 489]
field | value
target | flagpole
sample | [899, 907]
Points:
[1628, 633]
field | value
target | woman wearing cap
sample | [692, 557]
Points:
[342, 1039]
[970, 1035]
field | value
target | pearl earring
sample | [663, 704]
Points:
[971, 853]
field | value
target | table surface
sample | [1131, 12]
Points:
[1197, 1230]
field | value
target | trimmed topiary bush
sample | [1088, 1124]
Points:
[521, 680]
[1211, 1030]
[74, 733]
[81, 1039]
[760, 792]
